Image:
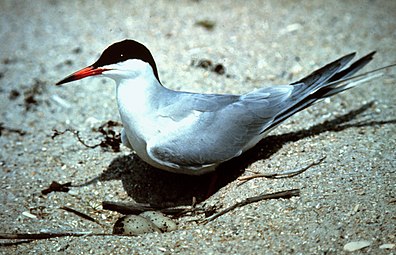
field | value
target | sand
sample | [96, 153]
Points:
[349, 197]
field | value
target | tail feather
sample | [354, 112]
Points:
[345, 84]
[325, 73]
[353, 68]
[329, 80]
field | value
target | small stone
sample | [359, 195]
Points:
[73, 192]
[354, 246]
[162, 249]
[29, 215]
[356, 208]
[387, 246]
[62, 102]
[296, 69]
[293, 27]
[92, 122]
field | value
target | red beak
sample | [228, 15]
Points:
[85, 72]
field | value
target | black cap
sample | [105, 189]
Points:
[124, 50]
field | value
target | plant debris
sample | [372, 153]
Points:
[30, 95]
[14, 94]
[207, 24]
[56, 187]
[249, 200]
[208, 65]
[111, 138]
[11, 130]
[210, 212]
[285, 174]
[9, 61]
[37, 236]
[137, 208]
[48, 235]
[77, 50]
[67, 62]
[38, 212]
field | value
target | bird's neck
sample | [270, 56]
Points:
[138, 95]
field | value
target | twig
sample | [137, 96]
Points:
[28, 237]
[38, 236]
[249, 200]
[137, 208]
[42, 235]
[285, 174]
[127, 208]
[76, 133]
[80, 214]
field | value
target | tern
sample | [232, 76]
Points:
[192, 133]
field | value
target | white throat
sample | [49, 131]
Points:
[138, 95]
[138, 100]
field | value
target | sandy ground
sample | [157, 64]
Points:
[349, 197]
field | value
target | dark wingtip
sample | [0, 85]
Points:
[327, 71]
[353, 68]
[370, 55]
[352, 54]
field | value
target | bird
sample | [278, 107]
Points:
[192, 133]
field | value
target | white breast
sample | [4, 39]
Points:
[143, 118]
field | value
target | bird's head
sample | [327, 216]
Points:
[121, 60]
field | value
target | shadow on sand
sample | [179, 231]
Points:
[146, 184]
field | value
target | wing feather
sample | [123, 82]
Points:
[228, 124]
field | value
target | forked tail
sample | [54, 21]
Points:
[329, 80]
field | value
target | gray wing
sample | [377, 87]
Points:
[227, 126]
